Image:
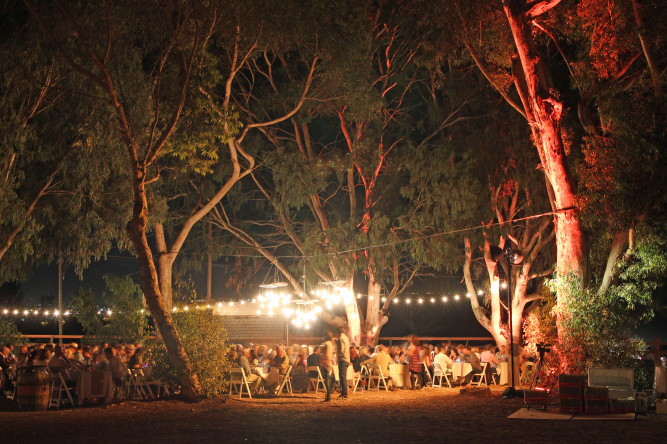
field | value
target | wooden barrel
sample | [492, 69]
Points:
[33, 388]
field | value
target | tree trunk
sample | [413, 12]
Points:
[375, 318]
[166, 265]
[136, 229]
[544, 111]
[491, 324]
[353, 313]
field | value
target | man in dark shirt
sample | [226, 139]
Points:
[473, 360]
[314, 360]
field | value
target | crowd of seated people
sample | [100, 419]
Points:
[417, 358]
[64, 359]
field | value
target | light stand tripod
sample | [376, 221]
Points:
[542, 349]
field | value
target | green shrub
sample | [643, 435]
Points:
[9, 333]
[205, 340]
[127, 322]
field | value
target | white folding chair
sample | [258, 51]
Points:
[238, 381]
[286, 383]
[439, 374]
[60, 393]
[315, 381]
[427, 373]
[136, 385]
[478, 378]
[379, 378]
[360, 375]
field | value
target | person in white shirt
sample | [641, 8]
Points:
[443, 360]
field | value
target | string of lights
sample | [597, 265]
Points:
[264, 306]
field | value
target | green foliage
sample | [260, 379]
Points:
[126, 322]
[204, 338]
[596, 326]
[9, 333]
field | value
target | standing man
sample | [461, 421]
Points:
[327, 362]
[343, 360]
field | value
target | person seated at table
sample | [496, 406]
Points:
[233, 357]
[253, 358]
[291, 355]
[32, 358]
[300, 371]
[129, 351]
[22, 355]
[314, 360]
[363, 354]
[425, 355]
[382, 360]
[4, 364]
[355, 359]
[43, 358]
[254, 380]
[502, 355]
[470, 358]
[443, 360]
[137, 359]
[454, 354]
[78, 354]
[59, 362]
[115, 366]
[281, 361]
[489, 357]
[261, 353]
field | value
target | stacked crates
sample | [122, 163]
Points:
[571, 393]
[596, 399]
[622, 405]
[535, 399]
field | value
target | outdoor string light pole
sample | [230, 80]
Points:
[513, 257]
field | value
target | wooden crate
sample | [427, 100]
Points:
[535, 398]
[622, 405]
[571, 404]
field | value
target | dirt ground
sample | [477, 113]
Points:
[403, 416]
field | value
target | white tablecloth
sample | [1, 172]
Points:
[91, 385]
[350, 373]
[460, 369]
[268, 374]
[400, 375]
[504, 372]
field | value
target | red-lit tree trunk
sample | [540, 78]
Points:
[543, 109]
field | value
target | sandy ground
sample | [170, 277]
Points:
[428, 416]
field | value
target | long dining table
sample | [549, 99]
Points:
[92, 385]
[269, 375]
[460, 369]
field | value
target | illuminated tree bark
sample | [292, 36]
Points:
[530, 238]
[543, 110]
